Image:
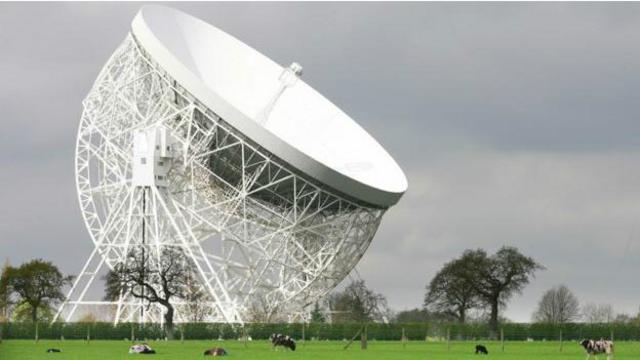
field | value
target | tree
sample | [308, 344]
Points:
[412, 316]
[23, 312]
[451, 291]
[498, 277]
[636, 319]
[357, 303]
[624, 319]
[558, 305]
[88, 318]
[597, 313]
[482, 316]
[37, 283]
[197, 307]
[261, 310]
[317, 316]
[5, 293]
[160, 284]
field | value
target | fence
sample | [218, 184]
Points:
[420, 331]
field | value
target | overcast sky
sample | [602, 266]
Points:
[516, 124]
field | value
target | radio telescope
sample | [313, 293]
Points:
[193, 140]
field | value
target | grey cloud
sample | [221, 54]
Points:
[516, 124]
[575, 213]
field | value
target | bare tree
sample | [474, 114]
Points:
[451, 292]
[197, 301]
[160, 285]
[357, 303]
[558, 305]
[624, 319]
[598, 313]
[261, 311]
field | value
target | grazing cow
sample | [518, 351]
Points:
[596, 347]
[216, 351]
[52, 350]
[283, 340]
[141, 349]
[481, 349]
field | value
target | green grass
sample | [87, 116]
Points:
[311, 350]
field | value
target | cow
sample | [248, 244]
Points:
[52, 350]
[141, 349]
[283, 340]
[596, 347]
[216, 351]
[481, 349]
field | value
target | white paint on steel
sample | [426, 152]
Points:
[260, 233]
[303, 128]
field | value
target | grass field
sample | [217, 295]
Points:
[311, 350]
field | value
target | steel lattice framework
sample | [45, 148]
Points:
[258, 232]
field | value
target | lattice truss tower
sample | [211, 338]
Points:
[256, 231]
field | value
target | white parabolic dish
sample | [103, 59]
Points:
[302, 128]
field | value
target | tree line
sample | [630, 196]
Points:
[474, 287]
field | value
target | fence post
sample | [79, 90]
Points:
[182, 334]
[363, 338]
[611, 333]
[303, 334]
[448, 339]
[133, 334]
[561, 340]
[37, 339]
[404, 339]
[426, 332]
[244, 335]
[366, 336]
[88, 333]
[502, 338]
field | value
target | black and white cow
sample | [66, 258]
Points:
[141, 349]
[283, 340]
[216, 351]
[596, 347]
